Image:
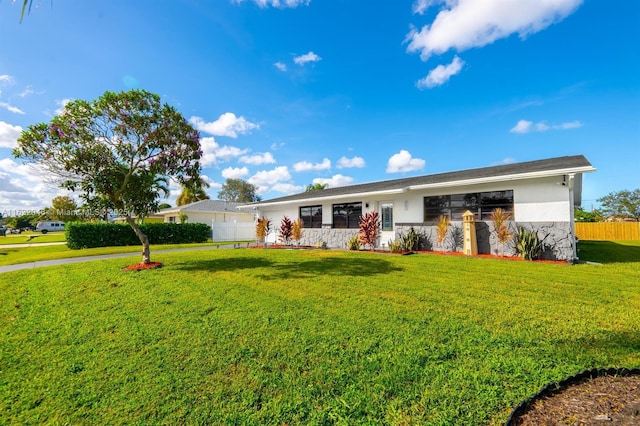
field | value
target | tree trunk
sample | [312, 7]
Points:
[146, 252]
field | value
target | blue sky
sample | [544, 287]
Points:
[291, 92]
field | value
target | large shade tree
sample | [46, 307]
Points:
[238, 190]
[624, 203]
[119, 151]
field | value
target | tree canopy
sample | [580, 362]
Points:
[238, 190]
[624, 203]
[315, 187]
[190, 195]
[119, 151]
[64, 208]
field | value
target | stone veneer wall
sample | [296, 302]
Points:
[557, 238]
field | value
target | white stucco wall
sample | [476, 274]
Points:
[535, 200]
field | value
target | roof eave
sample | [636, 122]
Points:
[332, 197]
[492, 179]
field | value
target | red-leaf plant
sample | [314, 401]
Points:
[286, 228]
[369, 228]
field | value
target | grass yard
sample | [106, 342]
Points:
[254, 336]
[15, 255]
[32, 237]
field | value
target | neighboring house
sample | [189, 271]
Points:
[540, 195]
[227, 222]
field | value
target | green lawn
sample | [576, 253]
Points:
[35, 253]
[255, 336]
[32, 238]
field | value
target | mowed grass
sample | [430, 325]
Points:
[32, 238]
[35, 253]
[255, 336]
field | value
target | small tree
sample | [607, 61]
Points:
[286, 227]
[189, 195]
[262, 229]
[500, 219]
[296, 231]
[369, 228]
[119, 150]
[183, 217]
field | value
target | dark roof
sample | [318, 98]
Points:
[220, 206]
[551, 164]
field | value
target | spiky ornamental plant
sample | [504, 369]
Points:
[262, 229]
[296, 230]
[441, 228]
[500, 219]
[369, 228]
[286, 227]
[119, 150]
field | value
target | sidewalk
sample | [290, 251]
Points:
[55, 262]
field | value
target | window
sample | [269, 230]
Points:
[479, 203]
[311, 216]
[347, 215]
[387, 217]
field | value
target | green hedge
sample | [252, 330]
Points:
[86, 235]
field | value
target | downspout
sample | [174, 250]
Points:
[572, 221]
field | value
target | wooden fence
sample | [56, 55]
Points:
[608, 230]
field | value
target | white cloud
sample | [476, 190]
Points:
[307, 57]
[522, 126]
[11, 108]
[465, 24]
[526, 126]
[305, 166]
[287, 188]
[25, 186]
[235, 172]
[441, 74]
[61, 104]
[277, 3]
[213, 152]
[28, 91]
[257, 159]
[9, 135]
[420, 6]
[265, 179]
[6, 79]
[282, 67]
[347, 163]
[335, 181]
[228, 124]
[404, 162]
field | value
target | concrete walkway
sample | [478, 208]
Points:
[55, 262]
[27, 245]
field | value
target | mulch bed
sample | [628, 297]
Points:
[142, 266]
[594, 397]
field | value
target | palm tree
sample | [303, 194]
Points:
[315, 187]
[190, 195]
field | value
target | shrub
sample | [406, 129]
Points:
[286, 227]
[262, 228]
[296, 230]
[102, 234]
[442, 227]
[500, 219]
[369, 228]
[396, 246]
[528, 245]
[411, 240]
[354, 243]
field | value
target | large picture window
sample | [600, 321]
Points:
[479, 203]
[311, 216]
[347, 215]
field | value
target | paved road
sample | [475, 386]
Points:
[43, 263]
